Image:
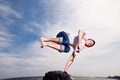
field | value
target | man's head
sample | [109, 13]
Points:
[89, 43]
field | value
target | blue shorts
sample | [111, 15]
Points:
[64, 41]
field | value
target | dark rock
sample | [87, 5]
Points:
[57, 75]
[114, 77]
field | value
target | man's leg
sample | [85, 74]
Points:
[55, 40]
[69, 62]
[52, 45]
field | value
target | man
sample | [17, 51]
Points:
[63, 41]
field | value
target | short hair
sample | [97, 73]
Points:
[93, 42]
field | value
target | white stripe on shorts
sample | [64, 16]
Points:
[62, 48]
[61, 40]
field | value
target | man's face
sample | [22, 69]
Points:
[89, 43]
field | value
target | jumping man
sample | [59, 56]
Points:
[63, 41]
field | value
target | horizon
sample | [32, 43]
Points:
[43, 76]
[23, 22]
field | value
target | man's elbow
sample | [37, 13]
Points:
[81, 31]
[71, 60]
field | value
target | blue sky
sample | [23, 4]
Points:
[23, 22]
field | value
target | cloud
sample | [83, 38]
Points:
[6, 14]
[32, 61]
[100, 20]
[95, 17]
[6, 59]
[6, 38]
[40, 56]
[33, 27]
[6, 11]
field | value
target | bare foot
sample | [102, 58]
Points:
[67, 72]
[42, 42]
[69, 75]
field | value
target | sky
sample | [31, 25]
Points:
[23, 22]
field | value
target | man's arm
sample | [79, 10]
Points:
[81, 35]
[69, 62]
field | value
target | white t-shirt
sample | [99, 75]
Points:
[74, 37]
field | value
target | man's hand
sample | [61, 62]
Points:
[77, 49]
